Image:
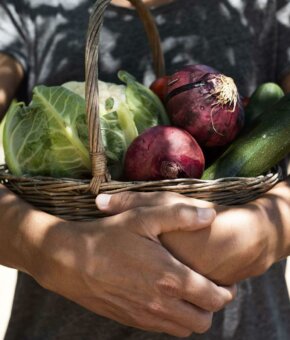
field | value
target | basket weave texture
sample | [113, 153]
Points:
[74, 199]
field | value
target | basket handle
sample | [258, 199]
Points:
[100, 171]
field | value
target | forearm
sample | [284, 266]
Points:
[22, 231]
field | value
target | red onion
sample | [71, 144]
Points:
[163, 152]
[206, 103]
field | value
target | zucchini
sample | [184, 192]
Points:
[257, 151]
[263, 99]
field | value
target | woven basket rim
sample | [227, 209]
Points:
[25, 177]
[73, 198]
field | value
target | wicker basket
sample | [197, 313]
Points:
[74, 199]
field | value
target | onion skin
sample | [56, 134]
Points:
[163, 152]
[212, 116]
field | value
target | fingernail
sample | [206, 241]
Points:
[206, 214]
[103, 201]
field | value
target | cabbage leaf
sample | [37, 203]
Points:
[49, 137]
[146, 107]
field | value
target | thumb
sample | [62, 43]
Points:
[173, 217]
[122, 201]
[153, 221]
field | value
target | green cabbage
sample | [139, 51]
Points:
[49, 137]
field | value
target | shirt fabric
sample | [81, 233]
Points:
[247, 40]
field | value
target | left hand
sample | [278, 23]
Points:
[241, 242]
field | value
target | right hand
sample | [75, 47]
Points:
[117, 268]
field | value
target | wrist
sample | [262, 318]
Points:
[23, 230]
[51, 250]
[37, 236]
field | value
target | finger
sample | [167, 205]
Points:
[149, 323]
[196, 289]
[168, 327]
[170, 316]
[171, 328]
[158, 325]
[153, 221]
[183, 314]
[116, 203]
[206, 294]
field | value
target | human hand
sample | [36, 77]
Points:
[242, 241]
[116, 267]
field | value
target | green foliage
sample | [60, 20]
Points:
[50, 136]
[47, 136]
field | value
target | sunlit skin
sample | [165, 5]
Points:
[115, 266]
[85, 261]
[243, 241]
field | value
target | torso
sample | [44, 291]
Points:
[241, 39]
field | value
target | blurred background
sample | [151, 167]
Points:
[8, 279]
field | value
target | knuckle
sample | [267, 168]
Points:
[155, 308]
[170, 287]
[125, 200]
[216, 302]
[204, 323]
[183, 214]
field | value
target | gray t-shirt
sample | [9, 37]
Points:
[247, 39]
